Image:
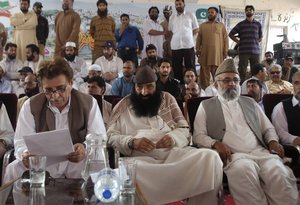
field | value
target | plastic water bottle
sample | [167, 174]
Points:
[107, 186]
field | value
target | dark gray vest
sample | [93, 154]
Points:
[215, 122]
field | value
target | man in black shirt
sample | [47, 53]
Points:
[165, 82]
[42, 29]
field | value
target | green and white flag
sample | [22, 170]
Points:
[4, 3]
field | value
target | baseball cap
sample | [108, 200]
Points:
[289, 56]
[25, 69]
[109, 44]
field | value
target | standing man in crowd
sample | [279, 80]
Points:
[182, 43]
[249, 37]
[24, 24]
[42, 29]
[102, 29]
[130, 41]
[168, 35]
[246, 141]
[3, 39]
[67, 27]
[153, 31]
[211, 45]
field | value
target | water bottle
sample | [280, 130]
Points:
[107, 186]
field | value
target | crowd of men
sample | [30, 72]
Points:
[232, 133]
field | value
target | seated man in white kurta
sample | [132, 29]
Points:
[57, 107]
[243, 136]
[149, 125]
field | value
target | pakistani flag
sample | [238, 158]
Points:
[4, 3]
[202, 13]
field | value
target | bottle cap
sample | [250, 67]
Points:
[106, 194]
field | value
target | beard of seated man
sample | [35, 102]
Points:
[146, 106]
[32, 92]
[230, 93]
[70, 57]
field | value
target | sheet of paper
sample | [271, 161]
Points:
[56, 145]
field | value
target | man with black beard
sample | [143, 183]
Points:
[249, 33]
[152, 58]
[153, 32]
[24, 24]
[11, 64]
[67, 27]
[31, 88]
[42, 29]
[102, 29]
[246, 141]
[77, 64]
[34, 59]
[269, 60]
[212, 46]
[149, 126]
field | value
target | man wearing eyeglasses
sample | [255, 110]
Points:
[149, 126]
[285, 116]
[276, 85]
[245, 139]
[57, 107]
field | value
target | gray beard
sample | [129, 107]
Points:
[230, 93]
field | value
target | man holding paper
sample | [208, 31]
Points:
[57, 107]
[149, 125]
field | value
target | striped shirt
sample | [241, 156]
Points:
[250, 34]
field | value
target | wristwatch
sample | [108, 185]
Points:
[130, 144]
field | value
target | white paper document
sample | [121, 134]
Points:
[56, 145]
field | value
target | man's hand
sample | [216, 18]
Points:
[165, 142]
[2, 149]
[110, 76]
[143, 145]
[78, 155]
[224, 151]
[297, 141]
[276, 148]
[25, 158]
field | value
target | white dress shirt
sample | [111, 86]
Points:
[11, 68]
[280, 122]
[6, 129]
[238, 135]
[114, 65]
[156, 40]
[26, 124]
[182, 27]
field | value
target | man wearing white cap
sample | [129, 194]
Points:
[77, 64]
[94, 70]
[247, 143]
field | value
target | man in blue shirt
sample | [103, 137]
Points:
[5, 86]
[124, 85]
[130, 41]
[249, 33]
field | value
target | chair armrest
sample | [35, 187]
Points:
[7, 158]
[292, 152]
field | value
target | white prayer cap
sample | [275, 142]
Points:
[95, 67]
[71, 44]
